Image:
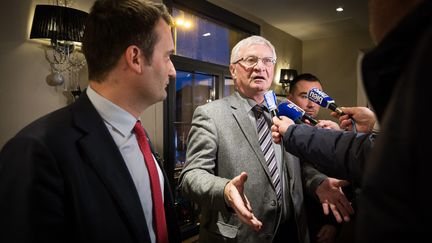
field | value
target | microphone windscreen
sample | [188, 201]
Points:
[290, 110]
[319, 97]
[270, 100]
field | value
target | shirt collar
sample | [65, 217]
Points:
[114, 115]
[247, 102]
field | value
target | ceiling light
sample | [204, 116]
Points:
[207, 34]
[339, 9]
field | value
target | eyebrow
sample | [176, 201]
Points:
[170, 52]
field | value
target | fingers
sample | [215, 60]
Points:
[250, 220]
[246, 202]
[342, 183]
[334, 114]
[342, 211]
[346, 124]
[325, 207]
[245, 214]
[346, 206]
[239, 202]
[336, 213]
[242, 178]
[276, 137]
[276, 120]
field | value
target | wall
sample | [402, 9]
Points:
[24, 94]
[288, 48]
[335, 61]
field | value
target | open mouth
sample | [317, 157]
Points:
[258, 78]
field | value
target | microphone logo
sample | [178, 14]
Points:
[323, 100]
[270, 100]
[315, 97]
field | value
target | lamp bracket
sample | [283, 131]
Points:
[64, 47]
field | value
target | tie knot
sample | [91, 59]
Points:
[258, 110]
[138, 129]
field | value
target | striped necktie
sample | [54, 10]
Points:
[265, 141]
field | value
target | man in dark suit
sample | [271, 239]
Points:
[78, 174]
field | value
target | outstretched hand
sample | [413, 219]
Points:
[331, 196]
[234, 195]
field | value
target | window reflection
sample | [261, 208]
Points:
[202, 39]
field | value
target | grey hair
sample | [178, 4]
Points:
[251, 40]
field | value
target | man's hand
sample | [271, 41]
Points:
[279, 127]
[330, 194]
[234, 195]
[364, 117]
[328, 124]
[327, 234]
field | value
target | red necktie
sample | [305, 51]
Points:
[158, 205]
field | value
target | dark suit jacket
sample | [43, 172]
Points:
[63, 179]
[395, 203]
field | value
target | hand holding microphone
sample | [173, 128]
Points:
[322, 99]
[279, 127]
[364, 117]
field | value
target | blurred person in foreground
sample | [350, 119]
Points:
[393, 206]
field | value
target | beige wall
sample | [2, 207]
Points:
[24, 94]
[335, 62]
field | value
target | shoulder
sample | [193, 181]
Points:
[216, 106]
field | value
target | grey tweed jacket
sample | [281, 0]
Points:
[222, 143]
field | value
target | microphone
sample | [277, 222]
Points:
[295, 113]
[324, 100]
[270, 101]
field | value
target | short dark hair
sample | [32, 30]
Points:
[303, 76]
[113, 25]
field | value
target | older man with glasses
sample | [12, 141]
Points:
[229, 143]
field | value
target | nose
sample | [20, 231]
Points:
[258, 65]
[311, 103]
[172, 71]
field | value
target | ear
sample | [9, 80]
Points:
[232, 70]
[134, 58]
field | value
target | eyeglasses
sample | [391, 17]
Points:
[251, 61]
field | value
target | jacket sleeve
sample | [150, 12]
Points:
[337, 153]
[197, 179]
[31, 192]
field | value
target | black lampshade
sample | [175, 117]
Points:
[287, 75]
[58, 23]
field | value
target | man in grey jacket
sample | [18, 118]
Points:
[224, 151]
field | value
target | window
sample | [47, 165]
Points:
[204, 36]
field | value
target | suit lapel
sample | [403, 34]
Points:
[103, 156]
[248, 130]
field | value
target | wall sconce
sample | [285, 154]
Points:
[286, 76]
[62, 26]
